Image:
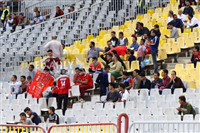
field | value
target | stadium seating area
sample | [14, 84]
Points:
[25, 47]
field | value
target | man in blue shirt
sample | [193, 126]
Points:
[188, 9]
[102, 80]
[32, 115]
[177, 22]
[157, 82]
[135, 45]
[154, 49]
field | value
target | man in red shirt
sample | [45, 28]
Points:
[86, 82]
[29, 79]
[95, 66]
[77, 76]
[59, 12]
[15, 21]
[121, 51]
[63, 89]
[195, 56]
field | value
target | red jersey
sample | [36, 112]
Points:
[27, 87]
[79, 78]
[120, 50]
[63, 85]
[89, 77]
[148, 50]
[50, 63]
[197, 56]
[95, 68]
[55, 90]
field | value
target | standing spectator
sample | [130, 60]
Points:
[5, 13]
[165, 80]
[170, 16]
[14, 86]
[157, 30]
[102, 80]
[93, 51]
[115, 68]
[38, 19]
[23, 86]
[157, 82]
[188, 9]
[175, 82]
[53, 117]
[59, 12]
[113, 95]
[107, 59]
[15, 21]
[35, 10]
[95, 66]
[1, 11]
[185, 107]
[32, 71]
[148, 47]
[195, 56]
[154, 49]
[64, 53]
[128, 82]
[136, 79]
[177, 22]
[145, 83]
[141, 53]
[123, 93]
[142, 30]
[32, 115]
[182, 16]
[23, 21]
[131, 57]
[121, 51]
[174, 31]
[8, 22]
[71, 15]
[56, 46]
[114, 39]
[193, 22]
[63, 90]
[86, 82]
[123, 40]
[135, 45]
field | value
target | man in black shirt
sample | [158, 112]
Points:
[107, 59]
[142, 30]
[145, 83]
[113, 95]
[32, 115]
[53, 117]
[188, 9]
[157, 30]
[115, 41]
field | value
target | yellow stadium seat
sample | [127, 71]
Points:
[180, 41]
[98, 38]
[150, 11]
[147, 16]
[188, 78]
[127, 65]
[198, 67]
[162, 55]
[193, 71]
[171, 40]
[158, 10]
[189, 66]
[189, 42]
[127, 23]
[89, 37]
[167, 47]
[85, 41]
[179, 32]
[187, 31]
[192, 84]
[37, 59]
[122, 27]
[164, 14]
[194, 36]
[179, 66]
[139, 17]
[184, 35]
[175, 48]
[197, 78]
[183, 71]
[134, 65]
[23, 64]
[102, 33]
[115, 28]
[162, 42]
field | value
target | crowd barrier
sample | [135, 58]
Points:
[21, 129]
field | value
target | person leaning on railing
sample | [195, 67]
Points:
[23, 21]
[5, 13]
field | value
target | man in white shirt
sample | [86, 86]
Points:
[123, 93]
[182, 16]
[34, 13]
[193, 22]
[38, 19]
[55, 46]
[14, 86]
[123, 40]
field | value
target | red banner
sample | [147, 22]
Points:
[40, 83]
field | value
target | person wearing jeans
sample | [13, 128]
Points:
[154, 49]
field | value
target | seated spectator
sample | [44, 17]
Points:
[193, 2]
[29, 79]
[95, 66]
[32, 71]
[23, 86]
[165, 80]
[24, 120]
[52, 93]
[157, 82]
[85, 83]
[107, 59]
[148, 47]
[102, 80]
[8, 22]
[14, 86]
[170, 16]
[185, 107]
[135, 45]
[123, 93]
[53, 117]
[115, 68]
[146, 37]
[71, 15]
[35, 10]
[64, 53]
[188, 9]
[136, 29]
[182, 16]
[131, 57]
[121, 51]
[175, 82]
[142, 30]
[93, 51]
[141, 53]
[114, 52]
[23, 21]
[109, 43]
[193, 22]
[123, 40]
[52, 63]
[15, 21]
[177, 22]
[198, 5]
[195, 56]
[77, 76]
[59, 12]
[114, 39]
[157, 30]
[38, 19]
[32, 115]
[145, 83]
[113, 95]
[128, 82]
[136, 79]
[174, 31]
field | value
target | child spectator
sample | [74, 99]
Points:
[148, 47]
[128, 82]
[141, 52]
[53, 117]
[131, 57]
[102, 80]
[32, 115]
